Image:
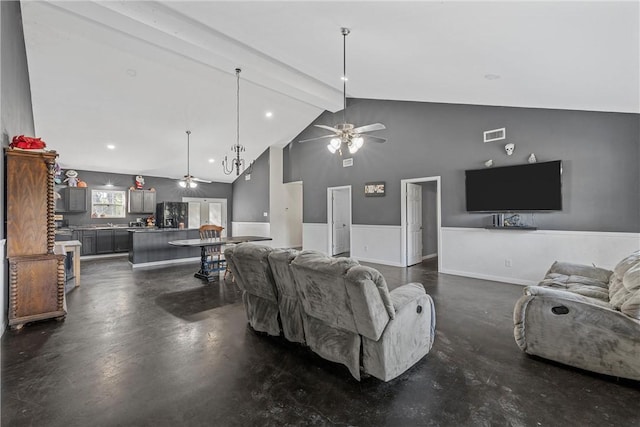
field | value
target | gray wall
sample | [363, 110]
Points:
[167, 190]
[16, 113]
[251, 198]
[600, 153]
[15, 89]
[429, 218]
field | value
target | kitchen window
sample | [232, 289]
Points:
[108, 204]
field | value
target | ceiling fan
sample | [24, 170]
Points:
[347, 135]
[188, 180]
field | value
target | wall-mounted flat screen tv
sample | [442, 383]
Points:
[521, 188]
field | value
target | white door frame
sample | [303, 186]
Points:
[403, 216]
[330, 216]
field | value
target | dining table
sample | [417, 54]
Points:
[206, 272]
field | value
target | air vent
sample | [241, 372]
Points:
[495, 134]
[347, 162]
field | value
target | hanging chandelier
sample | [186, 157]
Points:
[236, 163]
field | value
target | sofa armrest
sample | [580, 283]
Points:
[577, 331]
[406, 339]
[405, 293]
[571, 269]
[564, 295]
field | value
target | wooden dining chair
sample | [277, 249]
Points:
[214, 253]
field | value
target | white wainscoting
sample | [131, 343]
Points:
[251, 229]
[487, 254]
[315, 237]
[5, 286]
[377, 243]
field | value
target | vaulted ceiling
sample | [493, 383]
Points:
[137, 75]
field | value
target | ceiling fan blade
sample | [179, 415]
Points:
[317, 138]
[369, 128]
[371, 138]
[328, 128]
[206, 181]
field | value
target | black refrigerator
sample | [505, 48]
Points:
[172, 214]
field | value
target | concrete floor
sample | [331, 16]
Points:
[159, 348]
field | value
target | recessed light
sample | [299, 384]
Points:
[268, 114]
[344, 78]
[111, 147]
[212, 160]
[131, 72]
[491, 76]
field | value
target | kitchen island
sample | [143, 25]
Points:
[150, 246]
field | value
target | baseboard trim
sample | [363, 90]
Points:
[430, 256]
[510, 280]
[103, 256]
[165, 262]
[380, 261]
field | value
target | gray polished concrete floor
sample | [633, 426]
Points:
[159, 348]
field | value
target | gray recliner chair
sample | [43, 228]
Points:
[350, 312]
[584, 316]
[249, 264]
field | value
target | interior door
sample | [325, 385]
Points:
[414, 224]
[341, 215]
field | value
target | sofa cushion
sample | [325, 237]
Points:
[631, 279]
[592, 282]
[322, 284]
[625, 283]
[626, 264]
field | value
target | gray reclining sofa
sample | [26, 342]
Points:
[343, 311]
[584, 316]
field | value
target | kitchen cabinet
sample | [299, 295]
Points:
[121, 241]
[142, 201]
[76, 199]
[104, 241]
[36, 274]
[72, 199]
[88, 239]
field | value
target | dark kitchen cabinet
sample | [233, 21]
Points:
[142, 201]
[76, 199]
[71, 199]
[104, 241]
[121, 241]
[88, 239]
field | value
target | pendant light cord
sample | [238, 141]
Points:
[238, 110]
[188, 155]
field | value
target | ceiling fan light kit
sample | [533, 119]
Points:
[345, 135]
[228, 166]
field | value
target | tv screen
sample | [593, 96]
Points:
[521, 188]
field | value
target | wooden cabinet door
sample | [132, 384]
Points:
[36, 288]
[149, 202]
[121, 241]
[104, 241]
[76, 199]
[27, 191]
[136, 198]
[88, 239]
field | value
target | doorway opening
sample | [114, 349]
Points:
[421, 221]
[339, 220]
[293, 215]
[204, 211]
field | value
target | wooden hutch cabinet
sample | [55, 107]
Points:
[36, 274]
